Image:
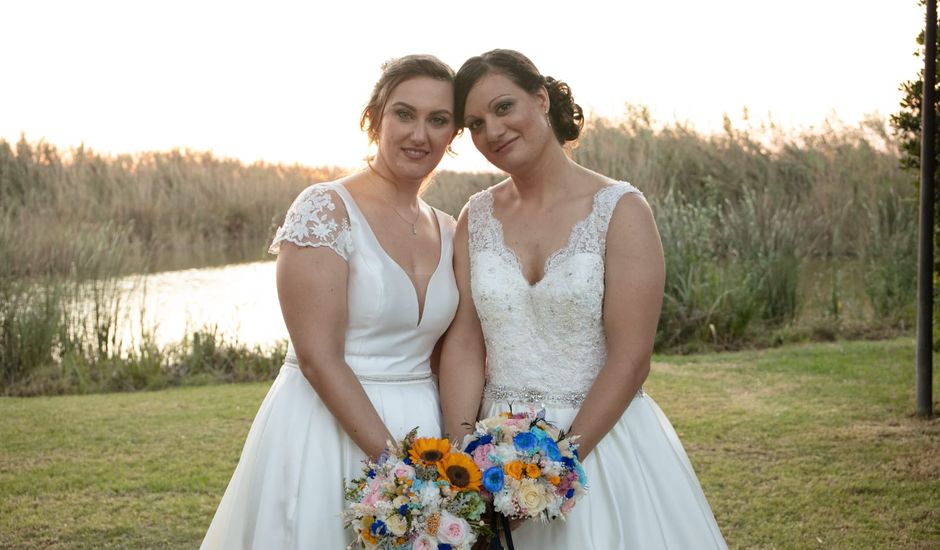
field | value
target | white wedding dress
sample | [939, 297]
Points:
[545, 345]
[287, 490]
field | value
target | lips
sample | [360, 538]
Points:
[505, 145]
[415, 154]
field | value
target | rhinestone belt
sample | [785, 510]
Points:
[495, 392]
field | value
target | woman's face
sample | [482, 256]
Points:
[508, 125]
[417, 126]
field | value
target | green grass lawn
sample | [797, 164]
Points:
[810, 446]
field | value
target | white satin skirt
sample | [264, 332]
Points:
[642, 492]
[287, 490]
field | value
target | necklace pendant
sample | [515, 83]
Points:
[413, 230]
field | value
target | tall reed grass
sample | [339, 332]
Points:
[741, 213]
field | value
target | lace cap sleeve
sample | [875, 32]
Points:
[316, 218]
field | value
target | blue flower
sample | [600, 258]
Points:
[549, 448]
[539, 433]
[443, 546]
[378, 528]
[408, 461]
[568, 462]
[371, 473]
[493, 479]
[472, 446]
[524, 442]
[403, 509]
[570, 493]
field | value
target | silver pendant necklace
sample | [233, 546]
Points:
[413, 224]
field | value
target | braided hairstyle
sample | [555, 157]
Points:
[566, 116]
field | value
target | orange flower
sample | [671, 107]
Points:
[533, 470]
[366, 532]
[460, 471]
[514, 469]
[429, 451]
[554, 480]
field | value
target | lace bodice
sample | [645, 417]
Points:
[545, 342]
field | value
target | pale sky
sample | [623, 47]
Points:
[286, 81]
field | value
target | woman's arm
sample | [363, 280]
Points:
[634, 278]
[311, 287]
[463, 357]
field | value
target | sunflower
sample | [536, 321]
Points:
[460, 471]
[429, 451]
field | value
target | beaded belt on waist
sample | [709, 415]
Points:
[381, 378]
[495, 392]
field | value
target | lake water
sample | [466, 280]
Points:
[239, 300]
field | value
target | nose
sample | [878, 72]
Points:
[419, 133]
[494, 130]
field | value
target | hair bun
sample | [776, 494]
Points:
[567, 116]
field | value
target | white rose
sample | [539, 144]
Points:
[396, 524]
[532, 497]
[430, 497]
[453, 530]
[502, 502]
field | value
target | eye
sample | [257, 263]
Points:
[403, 114]
[503, 107]
[440, 121]
[474, 125]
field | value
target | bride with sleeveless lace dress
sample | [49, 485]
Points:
[561, 272]
[366, 294]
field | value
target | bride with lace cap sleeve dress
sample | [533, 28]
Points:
[561, 274]
[366, 287]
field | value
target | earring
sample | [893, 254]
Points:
[548, 119]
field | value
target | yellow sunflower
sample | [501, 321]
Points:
[460, 471]
[429, 451]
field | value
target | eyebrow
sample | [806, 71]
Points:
[405, 105]
[497, 98]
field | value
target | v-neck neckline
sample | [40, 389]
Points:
[501, 234]
[421, 308]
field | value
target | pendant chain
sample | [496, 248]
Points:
[414, 230]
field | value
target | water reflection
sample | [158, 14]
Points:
[239, 300]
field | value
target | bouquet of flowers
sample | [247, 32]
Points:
[530, 467]
[420, 494]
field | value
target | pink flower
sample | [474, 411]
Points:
[403, 471]
[480, 455]
[424, 542]
[567, 506]
[453, 530]
[373, 493]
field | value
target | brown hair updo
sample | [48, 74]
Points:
[566, 116]
[394, 72]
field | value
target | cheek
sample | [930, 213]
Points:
[479, 141]
[442, 136]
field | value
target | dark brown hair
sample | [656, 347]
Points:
[566, 116]
[394, 72]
